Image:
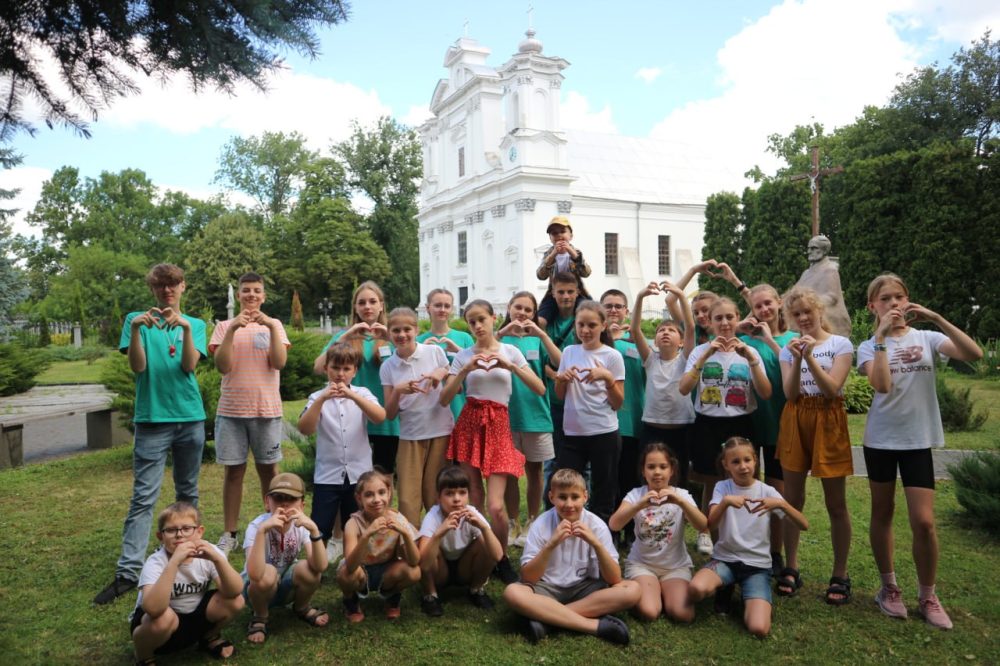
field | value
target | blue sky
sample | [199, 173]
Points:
[714, 76]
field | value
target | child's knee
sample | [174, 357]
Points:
[630, 590]
[411, 575]
[163, 624]
[759, 627]
[647, 610]
[516, 595]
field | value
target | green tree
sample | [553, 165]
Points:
[100, 46]
[13, 288]
[724, 230]
[777, 231]
[385, 164]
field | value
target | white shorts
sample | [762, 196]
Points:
[536, 446]
[635, 569]
[235, 437]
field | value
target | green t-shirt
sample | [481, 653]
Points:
[630, 413]
[368, 376]
[529, 412]
[164, 393]
[463, 340]
[563, 334]
[767, 416]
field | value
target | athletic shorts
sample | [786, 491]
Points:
[536, 446]
[235, 437]
[916, 466]
[191, 628]
[571, 593]
[813, 437]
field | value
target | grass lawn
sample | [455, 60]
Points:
[73, 372]
[61, 525]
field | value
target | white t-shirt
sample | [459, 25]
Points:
[725, 387]
[586, 410]
[282, 548]
[342, 438]
[193, 579]
[420, 414]
[824, 353]
[743, 536]
[659, 532]
[907, 417]
[664, 402]
[454, 543]
[488, 384]
[574, 559]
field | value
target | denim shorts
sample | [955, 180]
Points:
[754, 582]
[282, 596]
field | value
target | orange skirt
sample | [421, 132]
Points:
[482, 438]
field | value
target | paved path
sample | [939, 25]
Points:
[942, 459]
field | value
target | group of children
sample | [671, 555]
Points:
[596, 417]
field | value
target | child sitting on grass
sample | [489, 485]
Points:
[175, 608]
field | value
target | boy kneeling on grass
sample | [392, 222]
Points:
[457, 546]
[175, 608]
[570, 576]
[274, 576]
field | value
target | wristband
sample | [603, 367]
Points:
[878, 346]
[754, 365]
[741, 286]
[314, 539]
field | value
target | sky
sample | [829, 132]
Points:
[717, 76]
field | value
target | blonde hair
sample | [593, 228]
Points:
[811, 298]
[879, 283]
[762, 288]
[177, 509]
[721, 301]
[373, 475]
[403, 312]
[567, 478]
[356, 319]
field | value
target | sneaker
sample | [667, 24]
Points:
[704, 543]
[228, 543]
[431, 606]
[535, 631]
[115, 589]
[513, 531]
[505, 572]
[890, 601]
[392, 610]
[934, 614]
[521, 540]
[352, 609]
[334, 551]
[480, 599]
[613, 630]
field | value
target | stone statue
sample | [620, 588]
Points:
[231, 303]
[823, 277]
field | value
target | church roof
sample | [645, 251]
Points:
[611, 166]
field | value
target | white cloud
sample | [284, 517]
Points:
[29, 181]
[960, 22]
[575, 113]
[416, 116]
[648, 74]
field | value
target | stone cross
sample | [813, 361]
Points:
[814, 175]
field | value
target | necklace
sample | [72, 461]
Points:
[172, 349]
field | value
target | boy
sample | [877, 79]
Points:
[339, 415]
[560, 330]
[560, 257]
[175, 608]
[250, 350]
[456, 544]
[570, 576]
[163, 347]
[273, 576]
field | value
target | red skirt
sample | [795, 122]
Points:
[482, 438]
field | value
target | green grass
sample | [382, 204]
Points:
[73, 372]
[61, 526]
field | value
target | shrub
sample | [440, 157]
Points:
[60, 339]
[89, 353]
[297, 378]
[958, 409]
[858, 393]
[19, 367]
[977, 487]
[989, 364]
[862, 326]
[306, 466]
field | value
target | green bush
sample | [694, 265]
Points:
[89, 353]
[989, 365]
[977, 487]
[306, 466]
[858, 393]
[862, 326]
[19, 367]
[958, 409]
[297, 378]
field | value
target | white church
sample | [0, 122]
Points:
[498, 166]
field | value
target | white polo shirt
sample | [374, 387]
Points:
[420, 414]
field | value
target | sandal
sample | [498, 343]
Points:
[311, 616]
[789, 581]
[838, 586]
[258, 625]
[145, 662]
[215, 645]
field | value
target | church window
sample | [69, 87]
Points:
[463, 295]
[461, 162]
[611, 254]
[663, 255]
[463, 249]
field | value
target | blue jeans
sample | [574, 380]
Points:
[327, 499]
[153, 441]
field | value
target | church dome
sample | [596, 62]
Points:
[529, 44]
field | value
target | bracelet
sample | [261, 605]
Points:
[741, 286]
[314, 539]
[754, 365]
[879, 346]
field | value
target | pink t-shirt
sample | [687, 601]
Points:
[251, 387]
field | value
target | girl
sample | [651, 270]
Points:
[658, 560]
[813, 434]
[380, 550]
[903, 424]
[368, 333]
[440, 307]
[481, 441]
[666, 414]
[411, 379]
[702, 301]
[591, 381]
[740, 509]
[530, 417]
[723, 372]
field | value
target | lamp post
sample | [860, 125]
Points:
[324, 308]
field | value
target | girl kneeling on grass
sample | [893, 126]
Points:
[740, 509]
[380, 549]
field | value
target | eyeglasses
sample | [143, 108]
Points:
[183, 530]
[614, 306]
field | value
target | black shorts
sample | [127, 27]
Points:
[769, 460]
[192, 627]
[708, 435]
[916, 466]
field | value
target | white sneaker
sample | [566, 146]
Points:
[228, 543]
[334, 550]
[704, 543]
[513, 532]
[522, 538]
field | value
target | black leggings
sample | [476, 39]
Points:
[602, 452]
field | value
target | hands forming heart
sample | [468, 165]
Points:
[158, 317]
[726, 344]
[518, 328]
[660, 497]
[487, 362]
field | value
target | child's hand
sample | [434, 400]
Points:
[299, 519]
[476, 520]
[596, 374]
[380, 524]
[562, 532]
[396, 525]
[893, 318]
[793, 347]
[562, 247]
[359, 330]
[719, 344]
[806, 345]
[707, 268]
[380, 332]
[914, 312]
[744, 350]
[764, 505]
[451, 522]
[668, 287]
[264, 320]
[410, 387]
[727, 273]
[735, 501]
[335, 390]
[277, 520]
[450, 345]
[207, 551]
[748, 325]
[650, 289]
[184, 551]
[570, 374]
[582, 531]
[242, 319]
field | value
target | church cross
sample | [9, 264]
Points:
[813, 176]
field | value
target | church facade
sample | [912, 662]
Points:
[498, 166]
